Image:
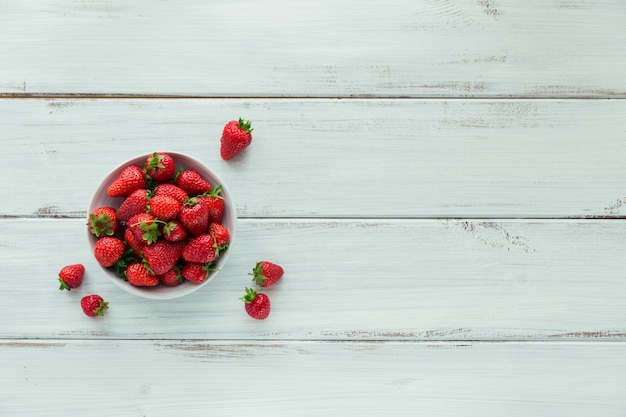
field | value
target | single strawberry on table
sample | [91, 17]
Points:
[257, 305]
[266, 274]
[160, 166]
[108, 250]
[132, 178]
[103, 222]
[71, 276]
[236, 136]
[192, 182]
[94, 305]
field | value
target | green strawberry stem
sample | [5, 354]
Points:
[100, 224]
[214, 192]
[102, 307]
[250, 295]
[64, 285]
[245, 125]
[257, 275]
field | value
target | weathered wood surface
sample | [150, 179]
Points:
[345, 280]
[315, 48]
[165, 378]
[333, 158]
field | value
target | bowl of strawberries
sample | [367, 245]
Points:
[161, 224]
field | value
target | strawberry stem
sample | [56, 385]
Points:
[245, 125]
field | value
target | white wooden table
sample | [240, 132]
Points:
[444, 182]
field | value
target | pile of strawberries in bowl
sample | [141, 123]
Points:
[160, 225]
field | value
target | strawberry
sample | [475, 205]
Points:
[71, 276]
[171, 278]
[164, 207]
[131, 178]
[103, 221]
[135, 203]
[108, 250]
[174, 231]
[194, 216]
[257, 305]
[171, 190]
[236, 136]
[221, 237]
[200, 249]
[139, 276]
[215, 202]
[162, 255]
[160, 166]
[196, 272]
[144, 227]
[192, 182]
[93, 305]
[266, 274]
[135, 244]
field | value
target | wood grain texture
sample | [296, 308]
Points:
[333, 158]
[317, 48]
[344, 280]
[163, 378]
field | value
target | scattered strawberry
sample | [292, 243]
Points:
[194, 216]
[192, 182]
[215, 202]
[196, 272]
[103, 221]
[93, 305]
[174, 231]
[135, 203]
[173, 191]
[71, 276]
[160, 166]
[171, 278]
[236, 136]
[144, 227]
[200, 249]
[257, 305]
[266, 274]
[162, 255]
[131, 179]
[140, 276]
[108, 250]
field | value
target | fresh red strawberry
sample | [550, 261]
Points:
[108, 250]
[135, 203]
[194, 216]
[164, 207]
[139, 276]
[215, 202]
[160, 166]
[196, 272]
[162, 255]
[171, 190]
[221, 237]
[103, 221]
[257, 305]
[174, 231]
[145, 227]
[132, 178]
[71, 276]
[266, 274]
[135, 244]
[172, 278]
[200, 249]
[93, 305]
[236, 136]
[192, 182]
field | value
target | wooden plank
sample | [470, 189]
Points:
[344, 280]
[321, 48]
[332, 158]
[164, 378]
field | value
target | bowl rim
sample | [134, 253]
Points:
[186, 288]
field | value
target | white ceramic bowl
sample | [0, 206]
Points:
[162, 292]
